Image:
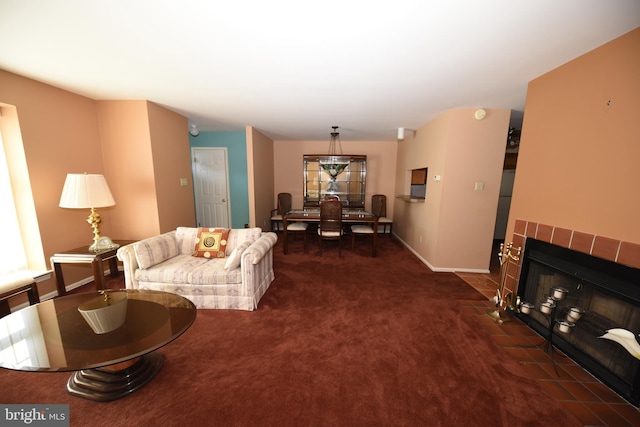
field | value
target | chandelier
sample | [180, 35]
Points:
[333, 164]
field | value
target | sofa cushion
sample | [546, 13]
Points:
[213, 273]
[173, 270]
[155, 250]
[186, 238]
[211, 242]
[233, 260]
[240, 235]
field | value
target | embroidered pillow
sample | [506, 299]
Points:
[233, 260]
[211, 242]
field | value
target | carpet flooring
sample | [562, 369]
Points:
[336, 341]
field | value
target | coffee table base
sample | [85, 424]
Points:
[104, 384]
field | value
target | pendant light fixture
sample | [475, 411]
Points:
[335, 140]
[333, 164]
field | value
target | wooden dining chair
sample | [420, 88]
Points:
[330, 225]
[368, 229]
[379, 207]
[284, 206]
[284, 203]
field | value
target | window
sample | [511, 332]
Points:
[12, 256]
[21, 251]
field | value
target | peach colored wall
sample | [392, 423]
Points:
[427, 148]
[146, 152]
[475, 153]
[60, 135]
[579, 153]
[453, 228]
[381, 161]
[260, 155]
[171, 162]
[128, 162]
[141, 148]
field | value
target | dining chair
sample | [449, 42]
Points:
[367, 229]
[330, 225]
[379, 207]
[284, 203]
[284, 206]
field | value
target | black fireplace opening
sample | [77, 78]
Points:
[607, 293]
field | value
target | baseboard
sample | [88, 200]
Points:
[472, 270]
[441, 269]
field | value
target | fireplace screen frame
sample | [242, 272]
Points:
[583, 273]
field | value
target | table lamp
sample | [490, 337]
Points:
[82, 191]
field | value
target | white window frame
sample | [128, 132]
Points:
[21, 252]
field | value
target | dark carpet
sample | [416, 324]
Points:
[350, 341]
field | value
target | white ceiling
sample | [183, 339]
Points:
[294, 68]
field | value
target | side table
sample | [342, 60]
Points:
[83, 255]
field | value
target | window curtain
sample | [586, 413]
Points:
[12, 255]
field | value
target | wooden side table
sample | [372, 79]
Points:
[83, 255]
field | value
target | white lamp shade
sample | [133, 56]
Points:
[105, 316]
[86, 191]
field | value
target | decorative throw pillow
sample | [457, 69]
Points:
[233, 260]
[211, 242]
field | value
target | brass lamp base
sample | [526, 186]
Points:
[103, 244]
[99, 243]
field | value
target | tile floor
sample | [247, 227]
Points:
[593, 403]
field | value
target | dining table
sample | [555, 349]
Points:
[349, 216]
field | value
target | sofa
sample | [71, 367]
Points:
[233, 276]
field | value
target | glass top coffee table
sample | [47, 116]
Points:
[108, 338]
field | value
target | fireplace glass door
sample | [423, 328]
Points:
[606, 293]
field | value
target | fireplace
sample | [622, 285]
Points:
[609, 295]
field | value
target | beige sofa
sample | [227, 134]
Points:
[166, 263]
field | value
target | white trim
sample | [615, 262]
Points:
[441, 269]
[40, 276]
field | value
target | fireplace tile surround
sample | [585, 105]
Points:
[619, 251]
[591, 401]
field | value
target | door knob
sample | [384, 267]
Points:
[224, 200]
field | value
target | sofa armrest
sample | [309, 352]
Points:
[127, 255]
[258, 249]
[257, 262]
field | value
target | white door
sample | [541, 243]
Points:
[210, 185]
